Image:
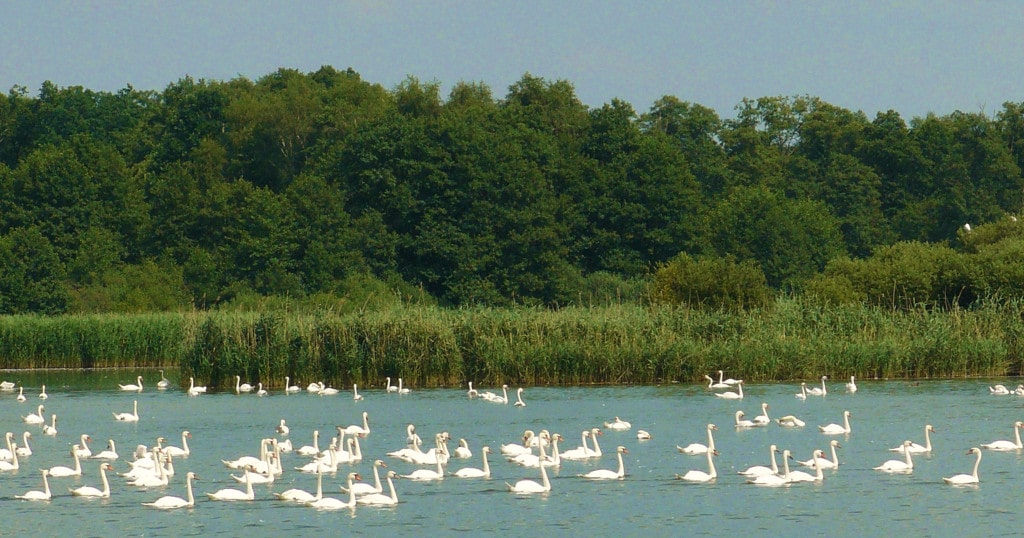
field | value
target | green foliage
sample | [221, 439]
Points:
[709, 282]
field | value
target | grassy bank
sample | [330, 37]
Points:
[434, 347]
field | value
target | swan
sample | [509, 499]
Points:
[643, 435]
[362, 488]
[303, 496]
[35, 418]
[355, 393]
[313, 387]
[8, 453]
[999, 390]
[555, 460]
[241, 387]
[519, 398]
[695, 449]
[494, 398]
[513, 449]
[581, 452]
[245, 461]
[531, 486]
[164, 383]
[51, 428]
[802, 395]
[713, 385]
[815, 391]
[193, 389]
[897, 466]
[916, 448]
[310, 450]
[83, 446]
[89, 491]
[852, 385]
[154, 479]
[355, 453]
[790, 421]
[12, 465]
[729, 381]
[1008, 445]
[730, 395]
[129, 417]
[356, 429]
[406, 390]
[701, 476]
[471, 393]
[24, 450]
[132, 387]
[835, 429]
[762, 419]
[427, 474]
[260, 391]
[800, 476]
[618, 425]
[288, 387]
[266, 476]
[761, 470]
[168, 502]
[285, 446]
[379, 499]
[823, 462]
[283, 429]
[327, 391]
[183, 451]
[321, 466]
[330, 503]
[605, 474]
[61, 470]
[743, 423]
[36, 495]
[7, 385]
[472, 472]
[463, 451]
[965, 479]
[42, 393]
[230, 494]
[390, 387]
[109, 454]
[21, 394]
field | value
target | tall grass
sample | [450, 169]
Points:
[430, 346]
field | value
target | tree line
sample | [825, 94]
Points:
[325, 187]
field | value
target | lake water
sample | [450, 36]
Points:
[855, 500]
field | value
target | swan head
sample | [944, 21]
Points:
[835, 443]
[107, 467]
[773, 448]
[712, 427]
[622, 450]
[974, 450]
[1018, 424]
[486, 450]
[930, 428]
[393, 474]
[380, 463]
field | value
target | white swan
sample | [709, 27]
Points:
[61, 470]
[815, 391]
[89, 491]
[823, 462]
[260, 391]
[643, 435]
[21, 394]
[790, 421]
[35, 418]
[241, 387]
[967, 479]
[311, 450]
[129, 417]
[313, 387]
[799, 476]
[195, 390]
[379, 499]
[531, 486]
[7, 385]
[51, 428]
[761, 470]
[230, 494]
[581, 452]
[356, 429]
[132, 387]
[695, 449]
[330, 503]
[713, 385]
[256, 476]
[427, 474]
[12, 465]
[802, 395]
[24, 450]
[303, 496]
[701, 476]
[513, 449]
[156, 478]
[852, 385]
[1008, 445]
[471, 393]
[898, 466]
[362, 488]
[36, 495]
[9, 452]
[355, 393]
[327, 391]
[916, 448]
[164, 383]
[83, 450]
[605, 474]
[289, 388]
[999, 390]
[390, 387]
[283, 429]
[42, 393]
[729, 381]
[472, 472]
[168, 502]
[519, 398]
[494, 398]
[763, 419]
[836, 429]
[109, 454]
[462, 451]
[183, 451]
[406, 390]
[730, 395]
[618, 425]
[555, 460]
[742, 423]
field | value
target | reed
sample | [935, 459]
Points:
[431, 346]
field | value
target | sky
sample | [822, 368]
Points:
[914, 57]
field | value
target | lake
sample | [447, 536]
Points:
[853, 500]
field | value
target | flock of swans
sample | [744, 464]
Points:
[532, 463]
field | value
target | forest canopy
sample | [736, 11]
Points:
[327, 188]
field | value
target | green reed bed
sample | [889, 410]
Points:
[429, 346]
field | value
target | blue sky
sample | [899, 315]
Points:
[914, 57]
